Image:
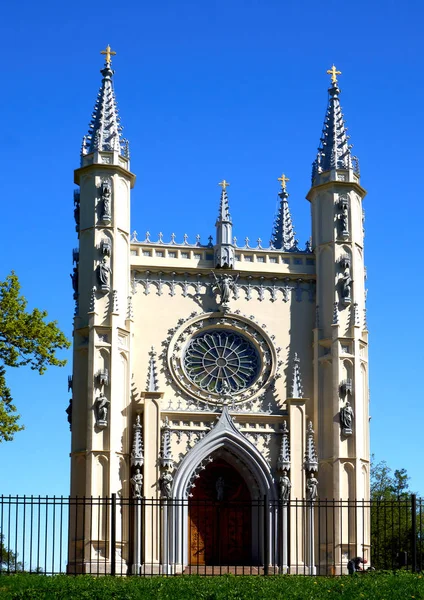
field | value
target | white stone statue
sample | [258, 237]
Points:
[137, 484]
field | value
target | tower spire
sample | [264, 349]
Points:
[224, 248]
[105, 131]
[334, 151]
[283, 235]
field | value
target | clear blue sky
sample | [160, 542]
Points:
[226, 88]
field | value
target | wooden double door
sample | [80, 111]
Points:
[220, 517]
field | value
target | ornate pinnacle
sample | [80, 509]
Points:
[166, 455]
[335, 314]
[137, 457]
[297, 388]
[105, 131]
[283, 235]
[92, 305]
[311, 458]
[115, 308]
[283, 462]
[152, 378]
[334, 149]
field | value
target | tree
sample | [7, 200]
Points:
[391, 518]
[8, 559]
[25, 339]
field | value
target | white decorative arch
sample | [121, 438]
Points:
[224, 435]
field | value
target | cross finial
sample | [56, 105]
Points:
[223, 184]
[333, 72]
[108, 53]
[283, 180]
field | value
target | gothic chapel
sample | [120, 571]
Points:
[217, 372]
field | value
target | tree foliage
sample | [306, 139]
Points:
[26, 339]
[391, 518]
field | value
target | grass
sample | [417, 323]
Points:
[381, 586]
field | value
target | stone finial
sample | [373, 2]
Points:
[335, 313]
[224, 249]
[311, 458]
[130, 309]
[297, 388]
[283, 462]
[92, 305]
[152, 377]
[137, 455]
[166, 454]
[283, 235]
[356, 319]
[115, 307]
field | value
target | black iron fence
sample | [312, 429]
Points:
[127, 536]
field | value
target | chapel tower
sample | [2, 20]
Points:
[102, 322]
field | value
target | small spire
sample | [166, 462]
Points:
[311, 458]
[137, 457]
[115, 307]
[105, 131]
[130, 310]
[92, 305]
[283, 462]
[334, 151]
[224, 249]
[152, 378]
[335, 314]
[166, 454]
[283, 235]
[297, 388]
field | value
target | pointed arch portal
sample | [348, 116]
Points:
[233, 455]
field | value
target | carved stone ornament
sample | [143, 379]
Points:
[214, 358]
[345, 280]
[346, 419]
[106, 247]
[137, 484]
[311, 488]
[165, 484]
[103, 377]
[69, 414]
[223, 286]
[102, 411]
[285, 487]
[343, 216]
[104, 275]
[106, 199]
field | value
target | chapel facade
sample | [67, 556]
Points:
[217, 371]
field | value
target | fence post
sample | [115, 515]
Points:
[113, 536]
[266, 535]
[414, 533]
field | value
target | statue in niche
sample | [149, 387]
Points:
[346, 280]
[312, 488]
[285, 487]
[102, 410]
[137, 484]
[344, 214]
[106, 194]
[220, 486]
[104, 274]
[224, 286]
[165, 483]
[346, 418]
[74, 278]
[69, 414]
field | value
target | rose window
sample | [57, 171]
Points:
[215, 357]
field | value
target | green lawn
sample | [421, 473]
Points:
[370, 586]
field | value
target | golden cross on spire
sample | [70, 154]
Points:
[333, 72]
[283, 180]
[223, 184]
[108, 52]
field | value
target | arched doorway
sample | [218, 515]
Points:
[220, 517]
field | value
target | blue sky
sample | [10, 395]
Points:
[233, 89]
